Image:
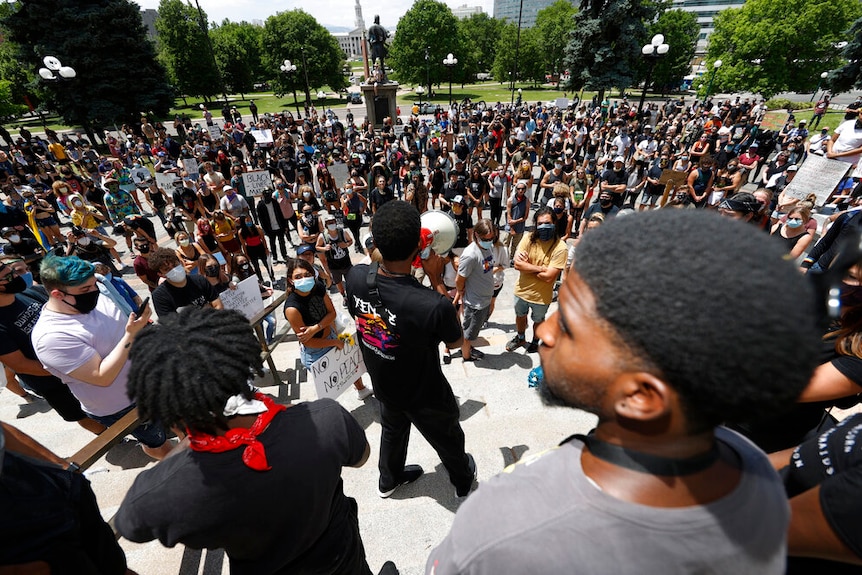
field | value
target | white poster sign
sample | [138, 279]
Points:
[190, 165]
[245, 298]
[262, 137]
[562, 103]
[818, 175]
[337, 370]
[215, 132]
[256, 182]
[166, 181]
[340, 172]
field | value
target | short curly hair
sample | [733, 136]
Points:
[711, 304]
[161, 257]
[396, 226]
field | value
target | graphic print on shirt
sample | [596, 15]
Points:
[375, 332]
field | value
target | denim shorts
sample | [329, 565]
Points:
[539, 311]
[308, 355]
[151, 434]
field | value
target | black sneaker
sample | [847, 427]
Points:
[533, 347]
[410, 474]
[389, 568]
[515, 343]
[461, 493]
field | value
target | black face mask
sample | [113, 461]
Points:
[17, 285]
[85, 302]
[143, 248]
[211, 271]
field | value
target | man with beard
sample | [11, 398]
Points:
[658, 486]
[605, 206]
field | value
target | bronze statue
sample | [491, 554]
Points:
[377, 36]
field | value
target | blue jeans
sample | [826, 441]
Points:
[150, 434]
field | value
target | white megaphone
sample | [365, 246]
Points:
[444, 227]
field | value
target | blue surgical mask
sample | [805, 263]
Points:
[794, 223]
[426, 253]
[303, 285]
[28, 279]
[486, 244]
[545, 232]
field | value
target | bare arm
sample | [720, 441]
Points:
[810, 534]
[828, 384]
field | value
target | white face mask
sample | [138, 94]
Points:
[177, 274]
[85, 241]
[184, 243]
[331, 227]
[14, 238]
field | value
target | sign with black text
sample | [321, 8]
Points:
[256, 182]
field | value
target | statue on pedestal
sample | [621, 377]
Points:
[377, 36]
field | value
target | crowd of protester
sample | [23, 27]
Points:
[523, 183]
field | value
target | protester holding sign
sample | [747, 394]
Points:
[311, 314]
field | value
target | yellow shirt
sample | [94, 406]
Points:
[546, 254]
[58, 150]
[224, 227]
[84, 219]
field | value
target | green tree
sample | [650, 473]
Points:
[771, 46]
[286, 36]
[604, 49]
[184, 51]
[680, 30]
[430, 25]
[477, 36]
[531, 63]
[849, 76]
[555, 24]
[105, 41]
[238, 50]
[8, 106]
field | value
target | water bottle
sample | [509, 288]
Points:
[535, 377]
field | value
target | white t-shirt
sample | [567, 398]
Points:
[849, 138]
[64, 342]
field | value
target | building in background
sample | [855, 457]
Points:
[705, 10]
[465, 11]
[351, 42]
[508, 10]
[149, 17]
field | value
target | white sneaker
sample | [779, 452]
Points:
[364, 393]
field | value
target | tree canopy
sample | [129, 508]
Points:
[184, 50]
[427, 24]
[478, 36]
[554, 25]
[285, 36]
[238, 50]
[531, 60]
[604, 49]
[105, 42]
[771, 46]
[849, 75]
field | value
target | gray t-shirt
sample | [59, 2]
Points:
[544, 516]
[477, 265]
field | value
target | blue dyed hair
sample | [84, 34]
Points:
[60, 272]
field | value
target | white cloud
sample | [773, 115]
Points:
[327, 12]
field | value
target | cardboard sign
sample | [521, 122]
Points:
[190, 165]
[341, 173]
[673, 176]
[166, 181]
[336, 371]
[256, 182]
[262, 137]
[817, 175]
[245, 298]
[215, 132]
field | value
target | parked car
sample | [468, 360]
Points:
[426, 107]
[354, 98]
[482, 76]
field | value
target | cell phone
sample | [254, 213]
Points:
[143, 307]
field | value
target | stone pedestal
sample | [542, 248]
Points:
[380, 103]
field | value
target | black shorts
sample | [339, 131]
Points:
[57, 394]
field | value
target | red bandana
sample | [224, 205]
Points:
[253, 455]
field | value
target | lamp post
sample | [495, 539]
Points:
[305, 71]
[419, 91]
[520, 96]
[55, 71]
[823, 76]
[450, 61]
[428, 71]
[289, 67]
[652, 52]
[203, 25]
[715, 66]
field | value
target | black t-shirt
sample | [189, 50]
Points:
[465, 222]
[311, 307]
[654, 173]
[378, 197]
[16, 322]
[293, 518]
[834, 462]
[400, 346]
[168, 298]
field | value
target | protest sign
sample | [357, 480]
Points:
[256, 182]
[245, 298]
[340, 172]
[262, 138]
[337, 370]
[215, 132]
[817, 175]
[166, 181]
[190, 165]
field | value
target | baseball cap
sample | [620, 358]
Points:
[458, 200]
[304, 248]
[619, 159]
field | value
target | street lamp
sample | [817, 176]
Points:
[823, 76]
[652, 52]
[289, 67]
[520, 99]
[419, 91]
[715, 66]
[54, 71]
[450, 61]
[305, 71]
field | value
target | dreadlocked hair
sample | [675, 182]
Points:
[184, 369]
